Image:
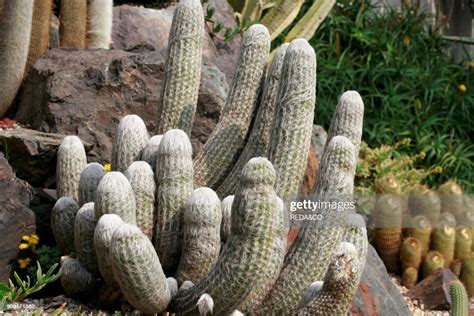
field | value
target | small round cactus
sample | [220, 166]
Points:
[75, 279]
[70, 163]
[443, 240]
[462, 249]
[150, 152]
[129, 141]
[84, 238]
[89, 181]
[411, 253]
[433, 261]
[99, 27]
[226, 207]
[63, 217]
[452, 200]
[409, 277]
[447, 219]
[427, 203]
[420, 229]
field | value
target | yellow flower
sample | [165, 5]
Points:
[24, 262]
[406, 41]
[462, 88]
[107, 167]
[470, 65]
[34, 239]
[23, 246]
[25, 238]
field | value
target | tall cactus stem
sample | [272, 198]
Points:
[84, 228]
[89, 181]
[40, 28]
[73, 27]
[99, 26]
[150, 152]
[63, 217]
[226, 207]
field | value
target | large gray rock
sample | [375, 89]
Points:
[87, 92]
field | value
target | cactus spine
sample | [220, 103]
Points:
[467, 275]
[315, 244]
[70, 163]
[84, 238]
[459, 299]
[41, 24]
[103, 233]
[255, 226]
[433, 261]
[75, 279]
[201, 239]
[73, 27]
[129, 142]
[150, 152]
[443, 240]
[15, 30]
[63, 217]
[183, 68]
[142, 179]
[462, 249]
[138, 271]
[410, 253]
[221, 150]
[409, 277]
[99, 28]
[174, 179]
[226, 207]
[115, 196]
[291, 134]
[258, 142]
[278, 18]
[89, 181]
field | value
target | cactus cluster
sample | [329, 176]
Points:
[171, 243]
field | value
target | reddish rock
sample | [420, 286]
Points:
[433, 292]
[309, 180]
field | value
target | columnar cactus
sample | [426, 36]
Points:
[443, 240]
[433, 261]
[84, 238]
[340, 284]
[174, 180]
[221, 150]
[201, 239]
[70, 163]
[467, 275]
[315, 245]
[142, 179]
[138, 271]
[420, 229]
[103, 233]
[447, 219]
[226, 207]
[258, 142]
[411, 253]
[75, 279]
[291, 135]
[452, 200]
[15, 30]
[459, 299]
[173, 286]
[462, 249]
[73, 27]
[278, 18]
[129, 141]
[150, 152]
[256, 218]
[41, 25]
[63, 217]
[356, 234]
[115, 196]
[89, 181]
[99, 27]
[427, 203]
[409, 277]
[183, 68]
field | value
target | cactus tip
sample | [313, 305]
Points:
[205, 304]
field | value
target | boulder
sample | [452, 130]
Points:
[138, 28]
[32, 154]
[377, 294]
[87, 92]
[16, 219]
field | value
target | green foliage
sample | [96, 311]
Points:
[46, 256]
[411, 89]
[12, 292]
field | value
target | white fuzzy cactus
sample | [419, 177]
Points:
[84, 238]
[99, 27]
[88, 182]
[63, 217]
[75, 279]
[226, 207]
[71, 161]
[150, 152]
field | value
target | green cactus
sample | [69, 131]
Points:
[462, 249]
[84, 238]
[183, 68]
[226, 207]
[467, 275]
[99, 26]
[443, 240]
[447, 219]
[459, 299]
[433, 261]
[142, 179]
[75, 279]
[201, 239]
[63, 217]
[409, 277]
[40, 29]
[138, 271]
[314, 246]
[427, 203]
[216, 158]
[258, 142]
[129, 141]
[452, 199]
[115, 196]
[279, 17]
[104, 230]
[89, 181]
[256, 218]
[73, 27]
[15, 31]
[411, 253]
[174, 180]
[150, 152]
[340, 284]
[70, 163]
[291, 135]
[420, 229]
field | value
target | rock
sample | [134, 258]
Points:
[138, 29]
[87, 92]
[32, 154]
[377, 294]
[309, 180]
[16, 219]
[318, 140]
[42, 205]
[433, 292]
